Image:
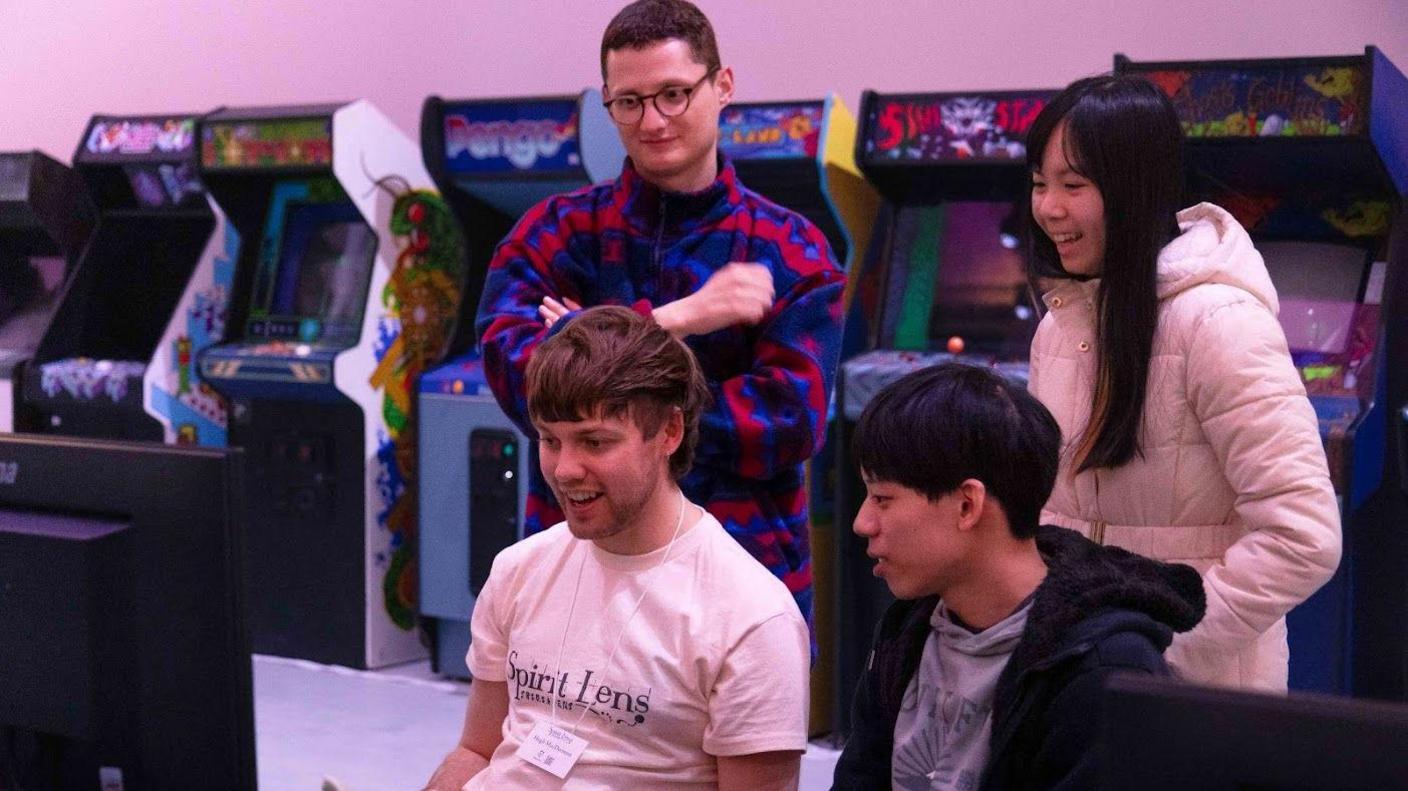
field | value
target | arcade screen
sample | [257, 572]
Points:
[1320, 287]
[30, 280]
[981, 293]
[316, 289]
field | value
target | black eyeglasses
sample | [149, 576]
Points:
[669, 102]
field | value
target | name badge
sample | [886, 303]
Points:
[552, 749]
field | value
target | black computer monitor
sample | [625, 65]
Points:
[123, 656]
[1158, 734]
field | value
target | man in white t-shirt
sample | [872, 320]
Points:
[635, 645]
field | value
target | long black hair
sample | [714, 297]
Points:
[1122, 133]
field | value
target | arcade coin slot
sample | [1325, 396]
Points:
[300, 470]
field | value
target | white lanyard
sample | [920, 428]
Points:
[573, 607]
[553, 749]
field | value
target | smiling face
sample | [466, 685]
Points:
[1069, 209]
[679, 153]
[917, 543]
[610, 480]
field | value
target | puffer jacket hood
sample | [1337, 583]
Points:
[1213, 248]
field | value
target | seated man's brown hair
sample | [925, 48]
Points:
[612, 362]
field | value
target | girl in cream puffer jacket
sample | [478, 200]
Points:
[1230, 474]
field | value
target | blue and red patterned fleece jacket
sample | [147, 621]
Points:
[628, 243]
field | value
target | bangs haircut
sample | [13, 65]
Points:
[1123, 134]
[611, 362]
[647, 22]
[935, 428]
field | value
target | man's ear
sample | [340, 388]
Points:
[972, 501]
[674, 431]
[723, 82]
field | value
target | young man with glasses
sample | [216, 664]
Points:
[752, 288]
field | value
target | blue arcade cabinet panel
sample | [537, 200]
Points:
[474, 489]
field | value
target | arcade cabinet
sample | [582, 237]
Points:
[150, 293]
[493, 160]
[125, 660]
[943, 279]
[46, 218]
[1311, 156]
[348, 294]
[801, 155]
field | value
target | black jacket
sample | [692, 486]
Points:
[1099, 610]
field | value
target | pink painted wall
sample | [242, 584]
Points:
[60, 62]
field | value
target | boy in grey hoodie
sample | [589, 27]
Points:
[987, 672]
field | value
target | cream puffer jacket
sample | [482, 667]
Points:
[1233, 479]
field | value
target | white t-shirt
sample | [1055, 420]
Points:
[715, 662]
